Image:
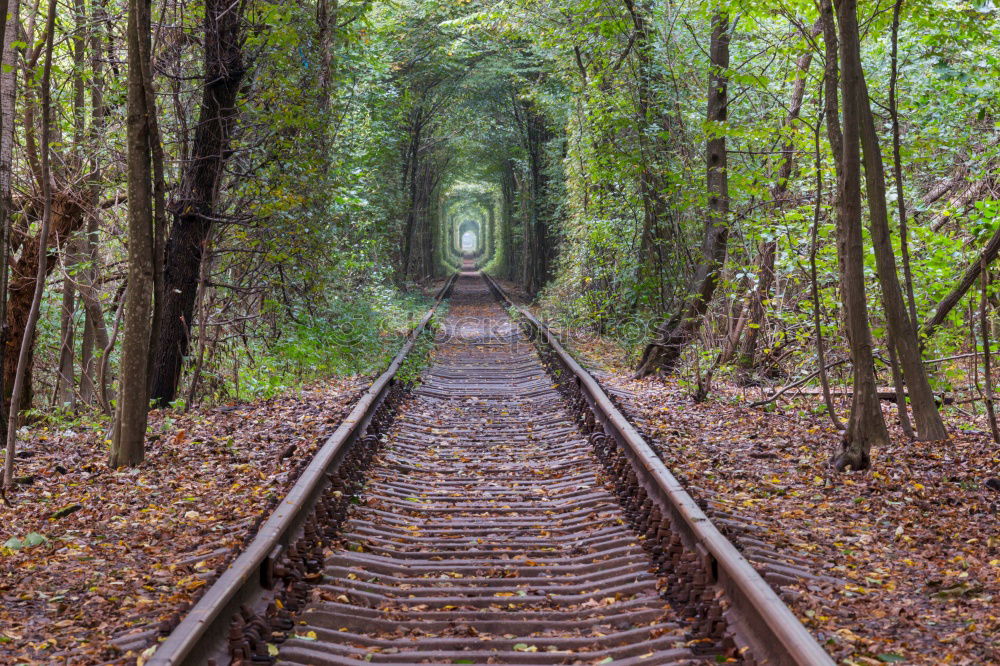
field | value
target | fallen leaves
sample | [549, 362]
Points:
[916, 537]
[90, 554]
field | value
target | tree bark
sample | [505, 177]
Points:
[824, 378]
[65, 381]
[8, 91]
[95, 332]
[987, 362]
[654, 205]
[672, 335]
[27, 341]
[193, 206]
[129, 433]
[507, 203]
[765, 276]
[897, 164]
[902, 331]
[866, 425]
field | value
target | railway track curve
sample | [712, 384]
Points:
[503, 511]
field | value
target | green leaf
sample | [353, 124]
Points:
[891, 658]
[13, 543]
[34, 539]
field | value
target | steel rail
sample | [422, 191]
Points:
[756, 616]
[205, 630]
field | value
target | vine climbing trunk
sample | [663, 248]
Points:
[194, 204]
[673, 334]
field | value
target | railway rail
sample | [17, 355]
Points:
[503, 511]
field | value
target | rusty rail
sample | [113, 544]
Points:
[250, 587]
[700, 559]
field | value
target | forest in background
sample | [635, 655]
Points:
[215, 201]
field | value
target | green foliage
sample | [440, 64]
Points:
[355, 337]
[30, 540]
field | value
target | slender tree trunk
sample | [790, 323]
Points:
[535, 265]
[203, 305]
[765, 275]
[654, 206]
[27, 339]
[95, 332]
[105, 396]
[866, 425]
[411, 169]
[193, 207]
[672, 335]
[897, 164]
[824, 378]
[129, 433]
[902, 331]
[899, 386]
[65, 380]
[87, 347]
[984, 323]
[8, 90]
[507, 197]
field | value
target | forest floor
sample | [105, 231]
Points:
[91, 552]
[914, 542]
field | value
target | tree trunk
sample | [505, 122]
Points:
[27, 342]
[897, 164]
[987, 362]
[411, 168]
[654, 206]
[534, 250]
[672, 335]
[193, 206]
[902, 331]
[765, 276]
[866, 426]
[129, 432]
[87, 348]
[95, 332]
[824, 378]
[507, 198]
[8, 91]
[65, 381]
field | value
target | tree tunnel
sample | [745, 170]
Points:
[480, 165]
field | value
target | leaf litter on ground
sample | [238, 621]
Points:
[89, 553]
[916, 538]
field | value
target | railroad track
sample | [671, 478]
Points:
[499, 513]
